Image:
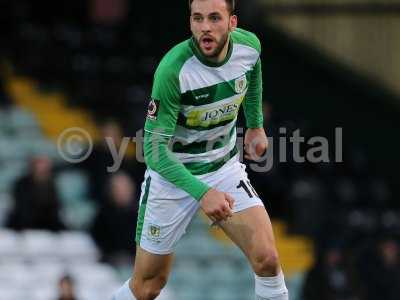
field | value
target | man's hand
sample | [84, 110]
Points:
[217, 205]
[255, 143]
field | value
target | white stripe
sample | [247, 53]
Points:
[188, 136]
[186, 109]
[155, 132]
[195, 75]
[209, 156]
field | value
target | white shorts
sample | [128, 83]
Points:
[166, 211]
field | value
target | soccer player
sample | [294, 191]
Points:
[192, 159]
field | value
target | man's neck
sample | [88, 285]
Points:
[222, 55]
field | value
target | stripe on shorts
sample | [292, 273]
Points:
[142, 211]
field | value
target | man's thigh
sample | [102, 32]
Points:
[250, 226]
[251, 231]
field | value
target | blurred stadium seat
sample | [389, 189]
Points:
[10, 245]
[32, 262]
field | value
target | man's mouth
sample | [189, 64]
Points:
[207, 42]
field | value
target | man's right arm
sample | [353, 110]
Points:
[217, 205]
[159, 128]
[160, 159]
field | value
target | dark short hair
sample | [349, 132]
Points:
[229, 3]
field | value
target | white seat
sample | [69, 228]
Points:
[11, 292]
[10, 245]
[44, 292]
[94, 293]
[93, 276]
[77, 247]
[16, 275]
[48, 273]
[40, 244]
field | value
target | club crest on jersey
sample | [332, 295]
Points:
[152, 109]
[241, 84]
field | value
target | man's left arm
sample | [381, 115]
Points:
[255, 141]
[253, 101]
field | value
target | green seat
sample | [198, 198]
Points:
[12, 149]
[42, 146]
[72, 186]
[79, 214]
[20, 119]
[9, 173]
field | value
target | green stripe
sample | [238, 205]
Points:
[205, 146]
[142, 211]
[213, 93]
[204, 168]
[182, 122]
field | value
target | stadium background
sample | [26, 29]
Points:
[89, 64]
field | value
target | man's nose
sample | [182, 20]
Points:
[205, 26]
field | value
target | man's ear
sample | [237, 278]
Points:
[233, 22]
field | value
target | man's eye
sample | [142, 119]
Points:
[215, 18]
[197, 18]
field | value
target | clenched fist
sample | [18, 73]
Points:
[217, 205]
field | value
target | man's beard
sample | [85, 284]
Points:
[218, 49]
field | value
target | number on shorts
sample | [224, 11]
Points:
[248, 188]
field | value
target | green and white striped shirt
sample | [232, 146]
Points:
[194, 106]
